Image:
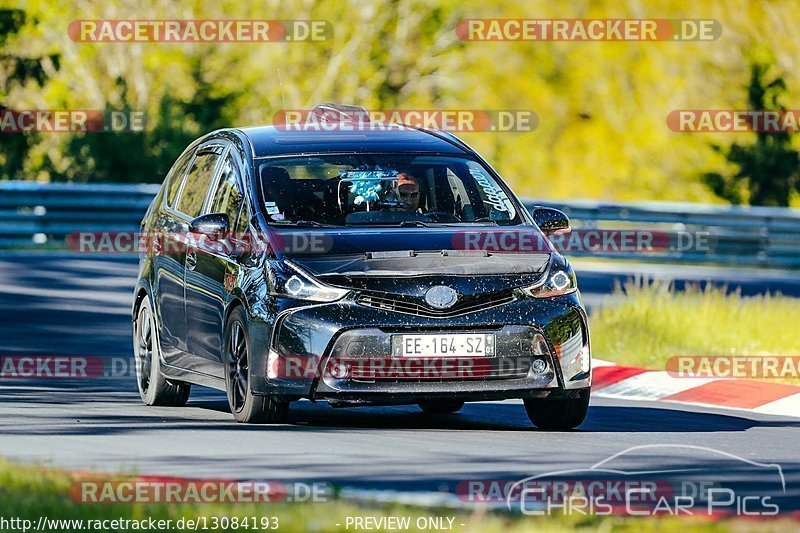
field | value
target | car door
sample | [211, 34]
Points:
[208, 265]
[188, 205]
[168, 264]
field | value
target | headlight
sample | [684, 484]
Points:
[560, 279]
[287, 280]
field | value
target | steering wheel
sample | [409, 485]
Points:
[388, 204]
[440, 216]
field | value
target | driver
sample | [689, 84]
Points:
[408, 191]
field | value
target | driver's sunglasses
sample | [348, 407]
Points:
[409, 194]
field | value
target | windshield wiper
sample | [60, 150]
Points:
[413, 224]
[312, 224]
[403, 224]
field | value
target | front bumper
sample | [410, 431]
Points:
[342, 351]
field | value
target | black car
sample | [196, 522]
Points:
[361, 266]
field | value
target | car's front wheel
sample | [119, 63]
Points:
[246, 406]
[565, 413]
[153, 387]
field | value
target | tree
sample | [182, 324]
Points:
[146, 156]
[768, 170]
[17, 71]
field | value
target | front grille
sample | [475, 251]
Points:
[480, 303]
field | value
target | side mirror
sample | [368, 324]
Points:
[550, 220]
[214, 225]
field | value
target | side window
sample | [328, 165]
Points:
[244, 218]
[227, 197]
[198, 179]
[176, 177]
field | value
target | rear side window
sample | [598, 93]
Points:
[198, 180]
[227, 197]
[176, 177]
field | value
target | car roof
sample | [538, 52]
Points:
[270, 141]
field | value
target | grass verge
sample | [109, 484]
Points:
[30, 492]
[651, 322]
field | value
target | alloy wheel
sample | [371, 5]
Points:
[238, 366]
[144, 353]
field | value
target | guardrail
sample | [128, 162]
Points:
[42, 216]
[691, 233]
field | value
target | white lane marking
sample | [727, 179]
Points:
[655, 385]
[650, 386]
[788, 406]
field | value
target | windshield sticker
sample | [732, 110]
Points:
[363, 175]
[272, 208]
[495, 196]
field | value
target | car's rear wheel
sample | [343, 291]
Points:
[246, 406]
[154, 388]
[566, 413]
[440, 406]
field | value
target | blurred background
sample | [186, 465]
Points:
[602, 106]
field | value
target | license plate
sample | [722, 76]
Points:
[444, 345]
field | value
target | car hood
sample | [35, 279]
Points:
[408, 261]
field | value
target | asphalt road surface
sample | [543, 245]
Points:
[66, 305]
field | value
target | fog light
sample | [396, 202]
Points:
[357, 348]
[539, 366]
[339, 370]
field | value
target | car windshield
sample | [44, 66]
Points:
[382, 190]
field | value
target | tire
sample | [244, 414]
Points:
[246, 407]
[154, 388]
[558, 414]
[440, 407]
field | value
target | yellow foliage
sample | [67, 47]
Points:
[602, 106]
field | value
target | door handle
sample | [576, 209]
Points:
[191, 258]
